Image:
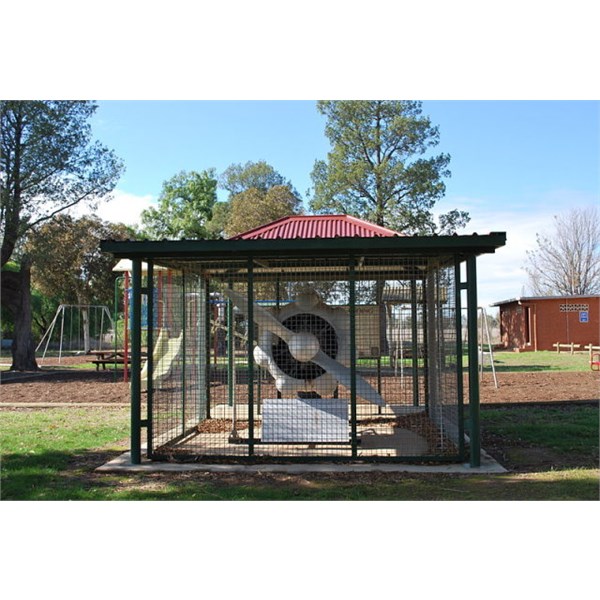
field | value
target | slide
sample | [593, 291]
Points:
[166, 350]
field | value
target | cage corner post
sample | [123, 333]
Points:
[474, 422]
[136, 348]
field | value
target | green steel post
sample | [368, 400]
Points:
[230, 350]
[415, 341]
[353, 413]
[459, 357]
[473, 362]
[208, 312]
[136, 363]
[150, 351]
[250, 357]
[183, 353]
[426, 348]
[116, 321]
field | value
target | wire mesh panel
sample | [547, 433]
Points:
[293, 359]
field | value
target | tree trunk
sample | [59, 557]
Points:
[23, 349]
[85, 316]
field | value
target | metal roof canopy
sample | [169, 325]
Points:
[316, 226]
[233, 249]
[410, 257]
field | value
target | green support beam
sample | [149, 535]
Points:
[136, 353]
[150, 359]
[353, 409]
[250, 359]
[473, 362]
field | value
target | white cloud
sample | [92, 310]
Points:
[123, 208]
[501, 275]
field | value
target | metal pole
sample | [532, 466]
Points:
[62, 329]
[150, 353]
[415, 341]
[183, 353]
[116, 320]
[207, 315]
[126, 326]
[250, 358]
[459, 358]
[353, 411]
[473, 360]
[230, 351]
[136, 346]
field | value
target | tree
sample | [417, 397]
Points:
[48, 163]
[254, 207]
[184, 209]
[258, 175]
[215, 228]
[376, 169]
[258, 194]
[567, 261]
[80, 273]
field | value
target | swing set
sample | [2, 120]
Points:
[78, 329]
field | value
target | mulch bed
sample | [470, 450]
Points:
[90, 386]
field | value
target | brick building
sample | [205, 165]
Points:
[538, 323]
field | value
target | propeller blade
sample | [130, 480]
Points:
[343, 375]
[261, 316]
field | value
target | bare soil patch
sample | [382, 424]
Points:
[540, 387]
[76, 386]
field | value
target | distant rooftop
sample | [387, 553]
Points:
[316, 226]
[536, 298]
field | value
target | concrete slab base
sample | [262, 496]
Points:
[122, 464]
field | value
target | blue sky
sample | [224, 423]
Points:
[514, 164]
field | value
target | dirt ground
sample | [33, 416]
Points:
[54, 385]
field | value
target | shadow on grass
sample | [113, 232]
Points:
[71, 476]
[500, 368]
[55, 475]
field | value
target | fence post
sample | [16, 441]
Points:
[136, 346]
[473, 353]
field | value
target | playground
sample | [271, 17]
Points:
[75, 381]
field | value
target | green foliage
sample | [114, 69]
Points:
[184, 207]
[215, 228]
[253, 175]
[67, 262]
[50, 163]
[258, 194]
[255, 207]
[377, 169]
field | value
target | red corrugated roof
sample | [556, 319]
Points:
[316, 226]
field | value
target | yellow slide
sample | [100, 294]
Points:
[166, 350]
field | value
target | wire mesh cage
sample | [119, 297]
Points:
[305, 349]
[307, 358]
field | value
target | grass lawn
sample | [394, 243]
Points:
[551, 453]
[538, 361]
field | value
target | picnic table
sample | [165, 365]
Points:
[108, 357]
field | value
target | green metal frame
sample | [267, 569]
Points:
[136, 363]
[474, 424]
[456, 249]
